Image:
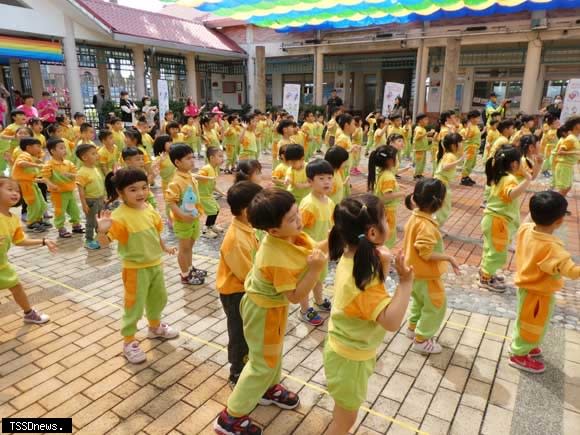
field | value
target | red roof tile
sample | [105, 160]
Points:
[151, 25]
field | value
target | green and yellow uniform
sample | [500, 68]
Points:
[564, 164]
[279, 174]
[357, 142]
[26, 179]
[297, 176]
[119, 138]
[337, 192]
[206, 188]
[549, 141]
[232, 143]
[108, 158]
[343, 141]
[471, 143]
[63, 176]
[248, 146]
[182, 183]
[387, 183]
[308, 128]
[421, 145]
[10, 232]
[8, 145]
[446, 177]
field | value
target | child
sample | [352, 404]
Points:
[527, 128]
[332, 127]
[249, 170]
[492, 135]
[501, 217]
[285, 269]
[531, 161]
[134, 158]
[541, 264]
[447, 162]
[91, 191]
[286, 129]
[347, 128]
[11, 232]
[338, 159]
[162, 162]
[207, 180]
[423, 247]
[372, 123]
[279, 172]
[133, 140]
[357, 140]
[172, 129]
[308, 128]
[137, 228]
[318, 131]
[567, 156]
[236, 255]
[421, 145]
[380, 134]
[60, 175]
[383, 161]
[189, 134]
[8, 141]
[182, 198]
[363, 310]
[396, 127]
[210, 134]
[247, 138]
[26, 171]
[549, 141]
[296, 180]
[316, 213]
[35, 125]
[232, 143]
[471, 143]
[408, 136]
[109, 154]
[146, 139]
[79, 119]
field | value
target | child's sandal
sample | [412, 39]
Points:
[278, 395]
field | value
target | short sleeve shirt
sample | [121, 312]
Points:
[92, 180]
[10, 232]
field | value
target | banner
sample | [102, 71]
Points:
[163, 97]
[571, 103]
[291, 102]
[392, 91]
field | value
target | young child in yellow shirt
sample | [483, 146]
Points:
[117, 128]
[296, 180]
[109, 154]
[207, 184]
[236, 256]
[338, 159]
[541, 264]
[279, 172]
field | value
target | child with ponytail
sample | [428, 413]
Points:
[423, 248]
[362, 310]
[501, 217]
[447, 162]
[384, 160]
[531, 160]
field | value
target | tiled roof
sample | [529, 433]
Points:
[151, 25]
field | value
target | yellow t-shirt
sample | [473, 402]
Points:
[422, 238]
[92, 181]
[497, 144]
[119, 139]
[25, 174]
[446, 176]
[387, 183]
[177, 188]
[10, 232]
[343, 141]
[316, 216]
[62, 174]
[107, 158]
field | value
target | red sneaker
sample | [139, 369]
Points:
[535, 352]
[527, 364]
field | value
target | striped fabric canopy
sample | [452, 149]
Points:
[300, 15]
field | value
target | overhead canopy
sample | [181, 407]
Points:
[301, 15]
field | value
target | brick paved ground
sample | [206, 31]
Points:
[72, 367]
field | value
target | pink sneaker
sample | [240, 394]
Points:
[427, 346]
[527, 364]
[36, 317]
[134, 353]
[163, 331]
[535, 352]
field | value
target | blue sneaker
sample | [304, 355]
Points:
[92, 245]
[311, 316]
[324, 306]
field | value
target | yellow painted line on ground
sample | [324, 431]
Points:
[483, 331]
[223, 349]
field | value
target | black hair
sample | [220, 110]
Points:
[83, 148]
[474, 114]
[33, 121]
[505, 124]
[211, 151]
[78, 115]
[84, 127]
[117, 181]
[52, 143]
[285, 123]
[16, 112]
[318, 167]
[547, 207]
[446, 145]
[428, 195]
[51, 129]
[336, 156]
[247, 168]
[268, 208]
[172, 124]
[572, 123]
[395, 116]
[563, 131]
[294, 152]
[26, 142]
[550, 118]
[445, 116]
[142, 119]
[240, 195]
[130, 152]
[528, 118]
[493, 121]
[352, 219]
[308, 112]
[380, 121]
[114, 120]
[420, 116]
[159, 144]
[104, 134]
[28, 130]
[344, 119]
[26, 97]
[123, 93]
[179, 151]
[133, 133]
[232, 118]
[518, 124]
[526, 141]
[394, 137]
[45, 94]
[357, 119]
[378, 159]
[282, 152]
[499, 166]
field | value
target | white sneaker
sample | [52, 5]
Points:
[133, 353]
[163, 331]
[36, 317]
[427, 347]
[410, 333]
[217, 229]
[209, 234]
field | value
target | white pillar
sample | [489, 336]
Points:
[277, 89]
[318, 76]
[72, 73]
[468, 90]
[531, 74]
[420, 78]
[452, 52]
[251, 74]
[191, 76]
[139, 67]
[36, 79]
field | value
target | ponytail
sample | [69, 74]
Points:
[499, 166]
[112, 194]
[372, 176]
[409, 202]
[379, 158]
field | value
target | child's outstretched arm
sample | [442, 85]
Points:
[50, 244]
[522, 187]
[392, 316]
[316, 262]
[104, 223]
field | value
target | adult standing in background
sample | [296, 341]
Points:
[18, 101]
[398, 108]
[333, 103]
[28, 108]
[148, 110]
[191, 108]
[99, 100]
[128, 109]
[555, 108]
[492, 107]
[47, 109]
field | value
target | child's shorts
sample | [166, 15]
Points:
[563, 176]
[186, 230]
[8, 277]
[347, 380]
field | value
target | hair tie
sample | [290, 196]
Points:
[364, 207]
[361, 236]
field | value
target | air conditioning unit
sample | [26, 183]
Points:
[539, 23]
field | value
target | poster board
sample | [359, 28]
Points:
[392, 91]
[291, 100]
[163, 97]
[571, 103]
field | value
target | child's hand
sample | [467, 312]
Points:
[405, 273]
[104, 221]
[170, 250]
[527, 175]
[455, 266]
[317, 260]
[51, 245]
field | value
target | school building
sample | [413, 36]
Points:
[526, 56]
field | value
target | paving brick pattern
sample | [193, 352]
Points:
[73, 367]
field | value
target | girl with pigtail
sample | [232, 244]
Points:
[362, 311]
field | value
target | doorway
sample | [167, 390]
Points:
[370, 93]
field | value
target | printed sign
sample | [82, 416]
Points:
[571, 103]
[392, 91]
[163, 97]
[291, 101]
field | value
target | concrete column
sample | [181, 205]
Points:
[191, 76]
[72, 73]
[318, 76]
[103, 71]
[277, 89]
[452, 52]
[468, 90]
[251, 64]
[531, 74]
[15, 74]
[420, 78]
[358, 91]
[139, 70]
[260, 79]
[36, 79]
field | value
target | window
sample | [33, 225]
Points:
[121, 73]
[87, 56]
[25, 79]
